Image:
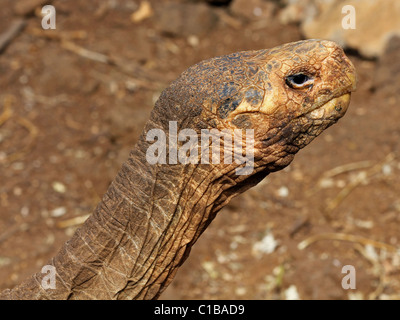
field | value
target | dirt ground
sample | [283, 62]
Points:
[74, 100]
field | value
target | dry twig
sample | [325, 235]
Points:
[346, 237]
[11, 33]
[7, 112]
[58, 35]
[88, 54]
[32, 129]
[362, 177]
[347, 168]
[72, 222]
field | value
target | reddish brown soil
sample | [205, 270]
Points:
[73, 121]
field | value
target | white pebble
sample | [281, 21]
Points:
[326, 183]
[257, 11]
[17, 191]
[371, 253]
[240, 291]
[193, 41]
[267, 244]
[291, 293]
[283, 192]
[58, 212]
[386, 169]
[24, 211]
[336, 263]
[59, 187]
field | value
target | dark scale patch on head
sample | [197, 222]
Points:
[227, 90]
[203, 124]
[260, 53]
[242, 121]
[252, 70]
[260, 78]
[228, 105]
[306, 47]
[325, 91]
[275, 64]
[213, 123]
[268, 87]
[234, 56]
[254, 96]
[251, 63]
[273, 51]
[307, 101]
[239, 75]
[247, 54]
[321, 46]
[302, 50]
[228, 61]
[206, 69]
[293, 45]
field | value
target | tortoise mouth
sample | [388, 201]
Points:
[334, 108]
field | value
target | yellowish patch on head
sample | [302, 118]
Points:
[244, 107]
[334, 106]
[339, 104]
[269, 105]
[353, 79]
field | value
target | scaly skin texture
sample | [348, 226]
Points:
[152, 214]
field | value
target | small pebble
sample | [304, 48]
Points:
[291, 293]
[58, 212]
[267, 244]
[386, 169]
[17, 191]
[336, 263]
[193, 40]
[240, 291]
[59, 187]
[283, 192]
[24, 211]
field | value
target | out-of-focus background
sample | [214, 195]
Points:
[74, 100]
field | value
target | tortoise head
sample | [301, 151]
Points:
[286, 96]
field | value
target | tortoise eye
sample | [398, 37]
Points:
[299, 81]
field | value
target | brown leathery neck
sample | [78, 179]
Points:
[141, 231]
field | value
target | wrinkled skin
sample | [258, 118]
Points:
[151, 215]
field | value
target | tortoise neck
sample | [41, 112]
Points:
[142, 230]
[138, 235]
